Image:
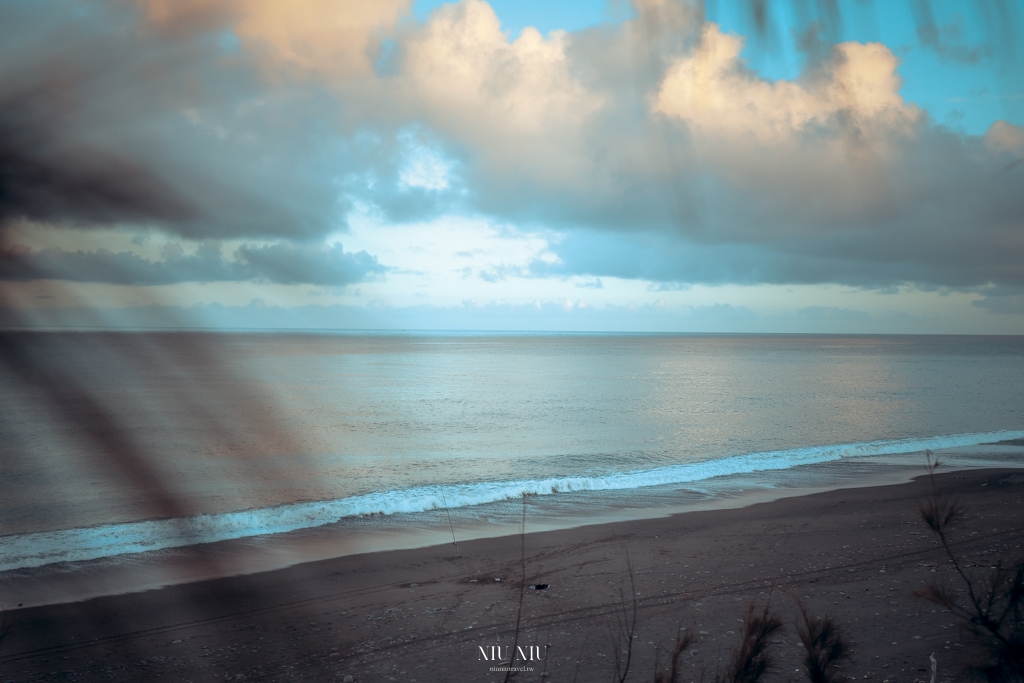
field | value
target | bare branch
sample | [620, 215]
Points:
[994, 607]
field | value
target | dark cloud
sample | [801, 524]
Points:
[275, 263]
[44, 178]
[123, 268]
[1001, 300]
[290, 264]
[936, 209]
[48, 173]
[103, 122]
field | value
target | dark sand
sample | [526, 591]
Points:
[422, 615]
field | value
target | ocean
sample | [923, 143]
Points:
[127, 456]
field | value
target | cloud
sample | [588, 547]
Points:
[648, 148]
[699, 170]
[289, 264]
[514, 112]
[713, 92]
[923, 248]
[1001, 300]
[1010, 305]
[276, 263]
[319, 37]
[1004, 137]
[105, 123]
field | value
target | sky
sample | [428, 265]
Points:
[598, 165]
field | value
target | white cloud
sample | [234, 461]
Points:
[712, 91]
[1003, 136]
[325, 38]
[463, 70]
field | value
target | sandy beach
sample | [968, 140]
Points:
[431, 615]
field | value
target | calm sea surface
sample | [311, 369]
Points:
[118, 443]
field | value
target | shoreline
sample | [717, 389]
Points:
[855, 552]
[125, 574]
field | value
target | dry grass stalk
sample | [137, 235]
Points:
[450, 525]
[5, 627]
[522, 592]
[683, 641]
[752, 658]
[823, 643]
[626, 626]
[579, 658]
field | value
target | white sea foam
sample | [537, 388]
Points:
[71, 545]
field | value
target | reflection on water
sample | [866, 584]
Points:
[216, 423]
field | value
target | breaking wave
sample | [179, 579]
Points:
[72, 545]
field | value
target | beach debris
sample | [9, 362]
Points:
[497, 580]
[538, 587]
[935, 663]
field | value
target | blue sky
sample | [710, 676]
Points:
[955, 92]
[544, 16]
[647, 166]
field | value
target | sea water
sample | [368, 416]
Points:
[116, 444]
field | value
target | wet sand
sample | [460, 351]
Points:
[424, 614]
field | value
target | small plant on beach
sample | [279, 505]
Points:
[824, 646]
[522, 591]
[579, 658]
[626, 627]
[991, 608]
[450, 525]
[822, 639]
[5, 627]
[753, 657]
[683, 641]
